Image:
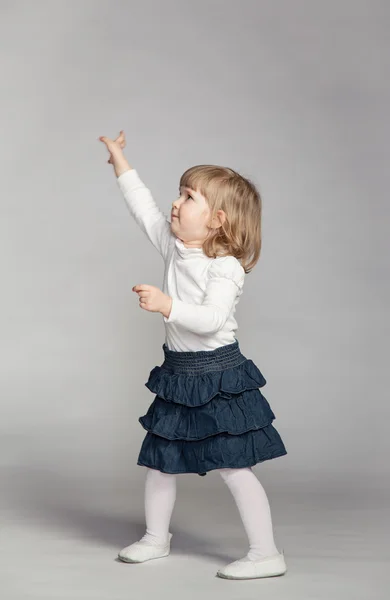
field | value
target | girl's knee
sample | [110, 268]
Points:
[156, 474]
[227, 474]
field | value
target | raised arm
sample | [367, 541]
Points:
[146, 213]
[225, 282]
[143, 208]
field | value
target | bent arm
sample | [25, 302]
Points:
[212, 314]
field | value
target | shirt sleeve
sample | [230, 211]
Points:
[153, 222]
[225, 282]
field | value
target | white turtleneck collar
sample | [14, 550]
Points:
[185, 252]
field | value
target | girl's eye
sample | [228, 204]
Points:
[186, 195]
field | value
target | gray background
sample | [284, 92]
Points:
[294, 95]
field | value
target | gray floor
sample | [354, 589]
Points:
[60, 540]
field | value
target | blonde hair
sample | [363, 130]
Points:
[227, 190]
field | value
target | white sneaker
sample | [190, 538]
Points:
[144, 550]
[244, 568]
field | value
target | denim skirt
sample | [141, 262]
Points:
[208, 413]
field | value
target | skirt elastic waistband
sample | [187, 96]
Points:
[202, 361]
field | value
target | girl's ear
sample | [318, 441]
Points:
[219, 218]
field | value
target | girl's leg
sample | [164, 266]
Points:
[160, 497]
[253, 506]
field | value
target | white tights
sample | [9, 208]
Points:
[248, 493]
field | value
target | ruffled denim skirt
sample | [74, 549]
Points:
[208, 413]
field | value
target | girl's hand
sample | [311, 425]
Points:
[153, 299]
[115, 148]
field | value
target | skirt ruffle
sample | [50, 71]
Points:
[239, 414]
[194, 390]
[215, 452]
[206, 417]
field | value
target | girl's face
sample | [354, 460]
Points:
[189, 217]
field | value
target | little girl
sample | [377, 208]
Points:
[208, 412]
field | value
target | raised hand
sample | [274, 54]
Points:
[115, 148]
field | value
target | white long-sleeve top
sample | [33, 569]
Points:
[204, 290]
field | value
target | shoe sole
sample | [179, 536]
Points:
[223, 576]
[130, 560]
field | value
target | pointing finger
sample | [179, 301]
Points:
[140, 286]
